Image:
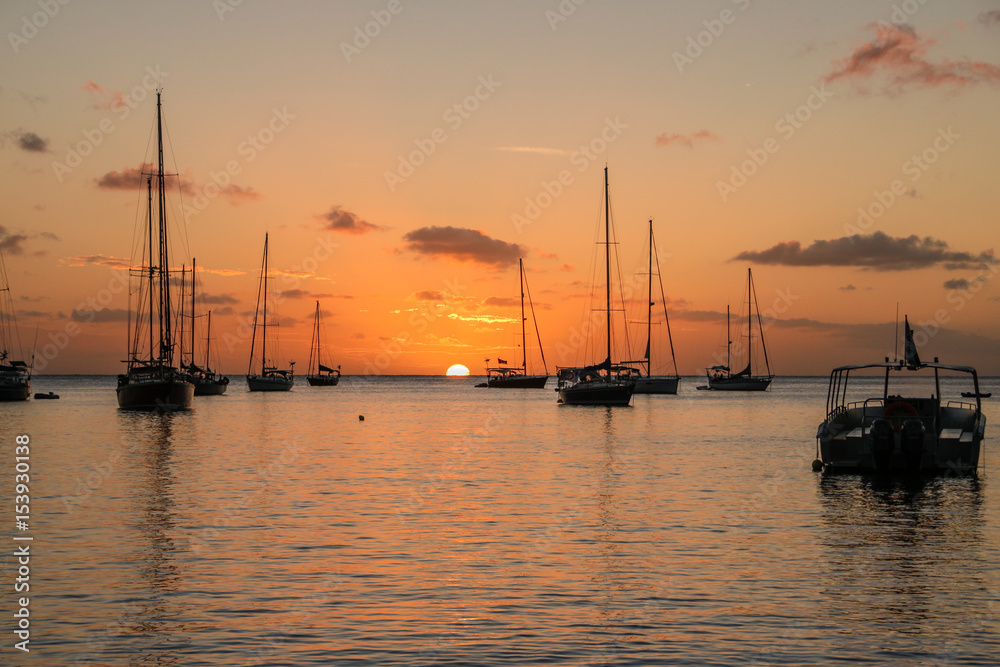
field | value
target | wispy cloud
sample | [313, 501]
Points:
[990, 17]
[900, 55]
[132, 178]
[341, 220]
[463, 245]
[877, 251]
[101, 99]
[540, 150]
[99, 260]
[688, 140]
[28, 141]
[12, 244]
[100, 316]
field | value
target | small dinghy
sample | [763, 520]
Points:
[40, 395]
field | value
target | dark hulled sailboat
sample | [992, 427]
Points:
[270, 378]
[317, 374]
[151, 381]
[507, 377]
[15, 374]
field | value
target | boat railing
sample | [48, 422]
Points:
[962, 405]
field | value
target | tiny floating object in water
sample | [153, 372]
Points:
[39, 395]
[817, 465]
[361, 418]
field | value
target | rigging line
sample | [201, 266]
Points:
[621, 290]
[663, 300]
[538, 334]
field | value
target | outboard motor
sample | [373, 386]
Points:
[911, 443]
[883, 443]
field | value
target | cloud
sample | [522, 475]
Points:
[293, 294]
[235, 194]
[12, 244]
[876, 251]
[218, 299]
[670, 139]
[500, 301]
[29, 141]
[987, 18]
[847, 288]
[428, 295]
[900, 54]
[99, 260]
[103, 315]
[533, 149]
[132, 178]
[103, 100]
[464, 245]
[957, 283]
[225, 310]
[341, 220]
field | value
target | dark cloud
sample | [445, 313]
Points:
[29, 141]
[293, 294]
[132, 178]
[957, 283]
[103, 315]
[218, 299]
[847, 288]
[900, 54]
[99, 260]
[673, 139]
[877, 251]
[12, 244]
[428, 295]
[341, 220]
[464, 245]
[236, 194]
[989, 17]
[225, 310]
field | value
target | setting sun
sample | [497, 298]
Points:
[457, 369]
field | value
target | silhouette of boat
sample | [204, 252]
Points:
[649, 383]
[893, 433]
[319, 375]
[50, 395]
[15, 374]
[504, 376]
[721, 377]
[604, 383]
[206, 381]
[270, 378]
[151, 381]
[976, 394]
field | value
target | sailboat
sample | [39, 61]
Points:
[270, 378]
[319, 375]
[15, 374]
[604, 383]
[206, 381]
[504, 376]
[722, 377]
[151, 382]
[649, 383]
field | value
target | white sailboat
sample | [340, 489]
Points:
[504, 376]
[649, 383]
[151, 381]
[605, 383]
[269, 378]
[15, 374]
[721, 377]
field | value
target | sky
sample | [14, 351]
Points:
[403, 154]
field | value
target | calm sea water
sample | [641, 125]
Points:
[457, 525]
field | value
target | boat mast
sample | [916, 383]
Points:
[524, 349]
[763, 345]
[607, 260]
[180, 317]
[749, 321]
[663, 298]
[729, 344]
[538, 334]
[256, 312]
[166, 342]
[263, 337]
[193, 261]
[149, 202]
[649, 302]
[208, 340]
[314, 348]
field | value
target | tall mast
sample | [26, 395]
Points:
[263, 338]
[208, 340]
[749, 319]
[729, 343]
[649, 310]
[763, 345]
[180, 318]
[524, 349]
[166, 342]
[607, 259]
[193, 261]
[149, 201]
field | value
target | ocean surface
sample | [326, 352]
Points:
[456, 525]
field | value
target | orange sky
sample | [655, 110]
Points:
[846, 153]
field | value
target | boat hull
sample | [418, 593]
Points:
[168, 395]
[269, 383]
[210, 387]
[740, 384]
[657, 385]
[518, 382]
[323, 380]
[596, 393]
[847, 444]
[15, 391]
